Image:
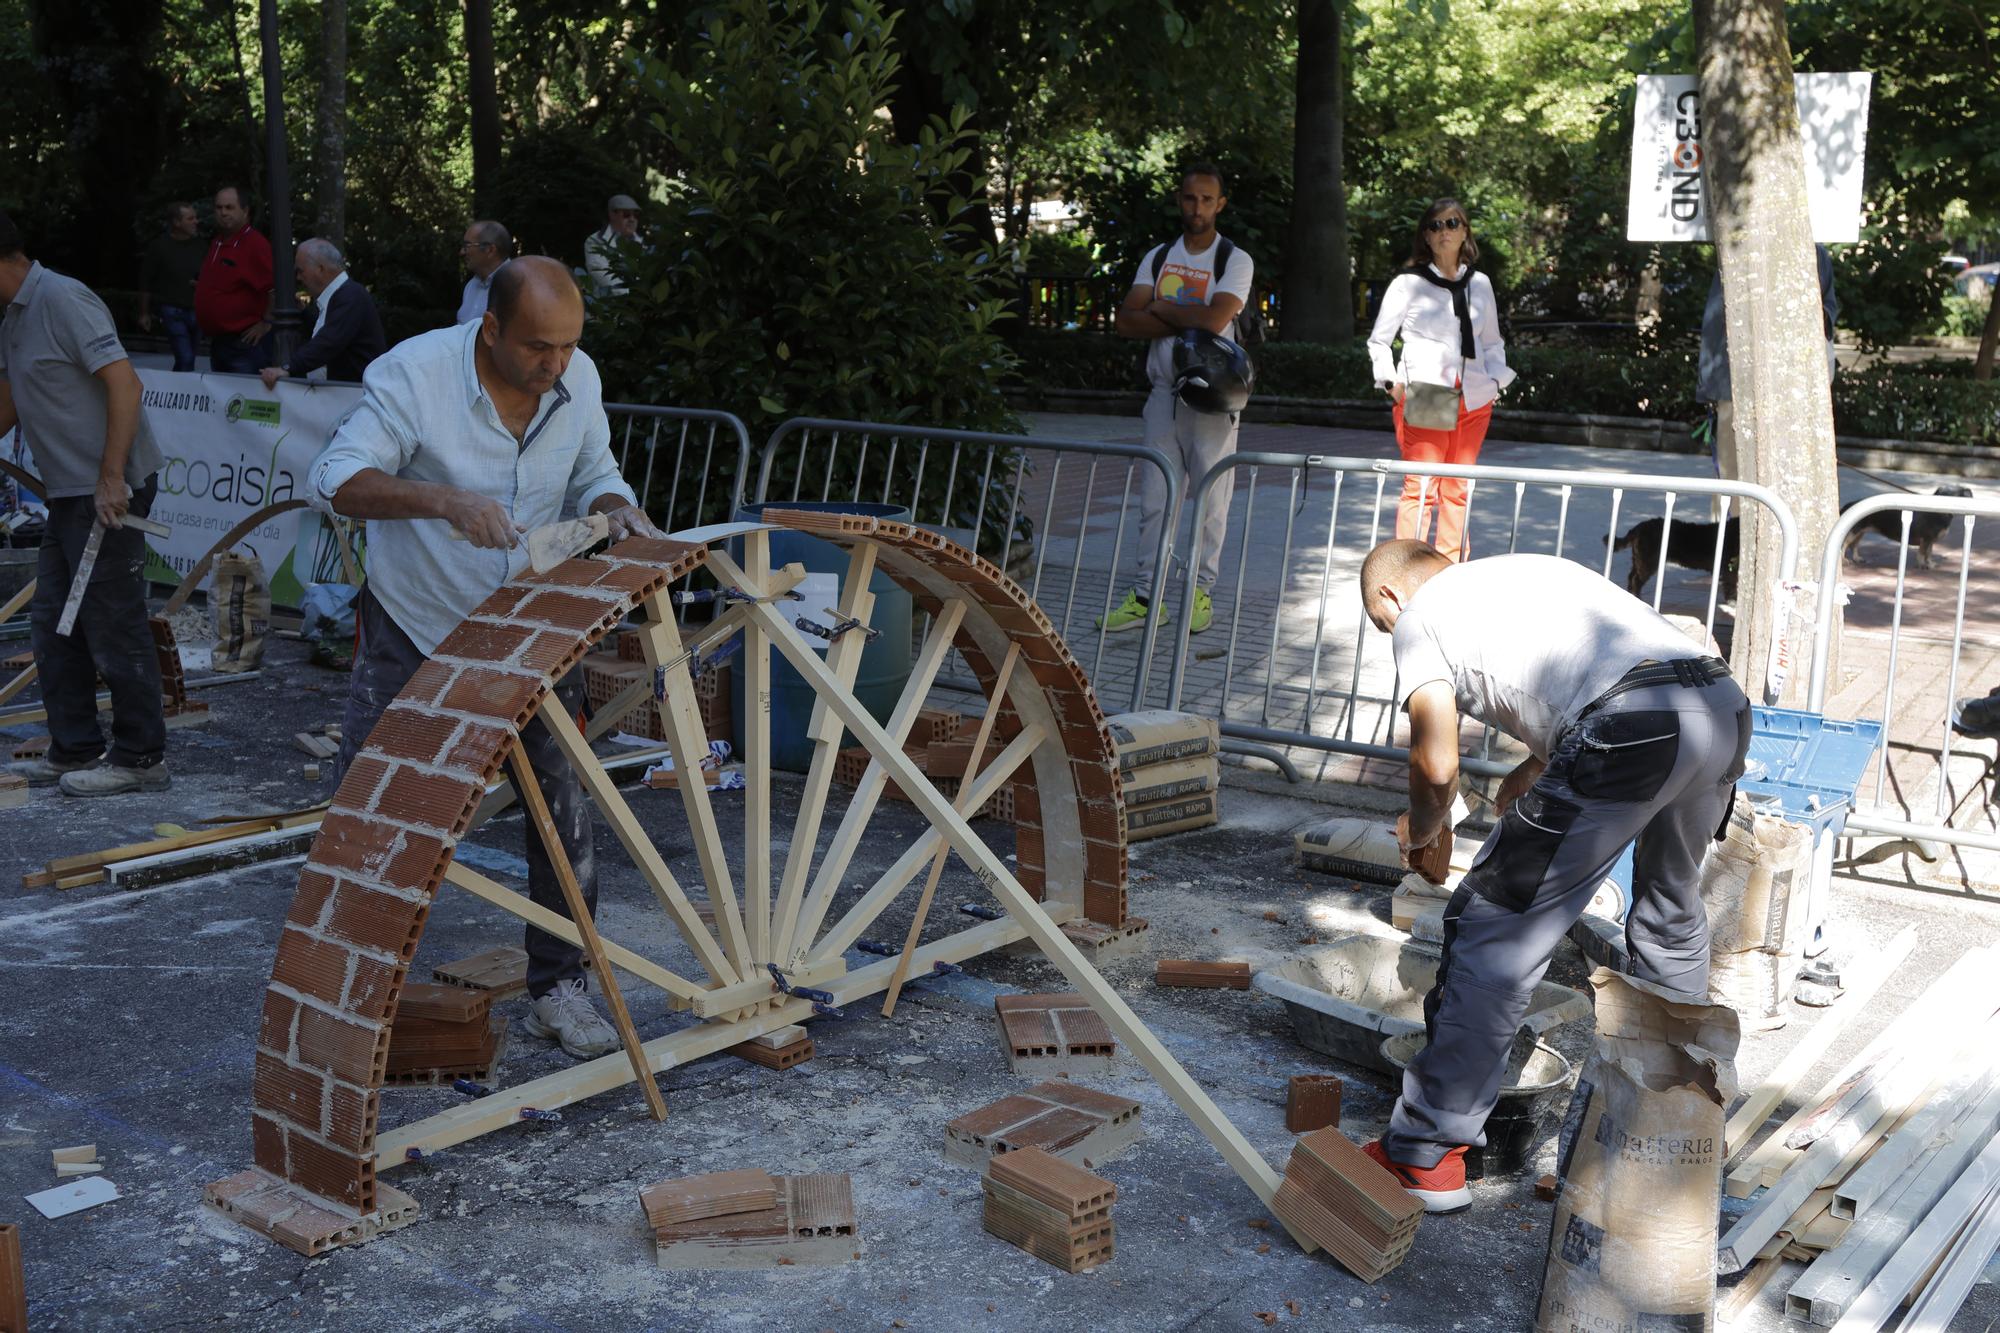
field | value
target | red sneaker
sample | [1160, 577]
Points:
[1441, 1187]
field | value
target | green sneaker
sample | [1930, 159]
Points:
[1204, 611]
[1128, 614]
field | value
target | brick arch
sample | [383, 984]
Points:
[382, 849]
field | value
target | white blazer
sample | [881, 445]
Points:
[1421, 313]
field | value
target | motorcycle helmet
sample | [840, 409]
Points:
[1211, 373]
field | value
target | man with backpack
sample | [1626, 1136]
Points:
[1198, 284]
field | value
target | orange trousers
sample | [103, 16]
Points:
[1444, 495]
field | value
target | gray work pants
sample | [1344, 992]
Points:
[383, 664]
[1656, 764]
[1196, 441]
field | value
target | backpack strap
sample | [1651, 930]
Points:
[1159, 262]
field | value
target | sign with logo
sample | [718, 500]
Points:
[1669, 197]
[232, 447]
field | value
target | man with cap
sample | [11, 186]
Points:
[1631, 735]
[621, 227]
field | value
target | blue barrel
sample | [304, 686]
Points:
[885, 662]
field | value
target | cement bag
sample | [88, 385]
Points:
[1639, 1166]
[1747, 884]
[1160, 736]
[239, 602]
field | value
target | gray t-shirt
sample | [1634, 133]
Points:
[54, 338]
[1527, 641]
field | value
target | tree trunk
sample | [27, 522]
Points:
[1982, 368]
[1755, 176]
[332, 127]
[485, 98]
[1319, 289]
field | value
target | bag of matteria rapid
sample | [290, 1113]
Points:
[1639, 1166]
[240, 604]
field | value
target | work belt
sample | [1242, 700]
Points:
[1688, 672]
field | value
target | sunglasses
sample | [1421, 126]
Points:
[1443, 224]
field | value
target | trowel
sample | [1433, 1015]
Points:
[553, 543]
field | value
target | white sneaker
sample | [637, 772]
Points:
[567, 1015]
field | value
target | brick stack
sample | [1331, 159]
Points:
[1200, 975]
[747, 1219]
[1057, 1212]
[443, 1033]
[1075, 1123]
[607, 675]
[1340, 1198]
[1054, 1034]
[1168, 771]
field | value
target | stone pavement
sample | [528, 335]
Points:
[1289, 650]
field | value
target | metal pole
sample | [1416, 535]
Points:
[285, 314]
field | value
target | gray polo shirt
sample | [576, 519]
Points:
[54, 338]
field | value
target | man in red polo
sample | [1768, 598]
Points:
[232, 297]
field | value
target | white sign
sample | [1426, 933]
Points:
[1669, 198]
[231, 447]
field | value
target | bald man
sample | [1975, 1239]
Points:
[346, 327]
[1630, 735]
[465, 439]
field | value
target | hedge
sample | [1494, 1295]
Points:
[1925, 400]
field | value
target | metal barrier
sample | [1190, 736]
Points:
[991, 514]
[1871, 812]
[1299, 682]
[653, 429]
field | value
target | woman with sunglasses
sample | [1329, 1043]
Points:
[1454, 365]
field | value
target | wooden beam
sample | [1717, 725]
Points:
[684, 991]
[861, 806]
[964, 808]
[1056, 946]
[759, 989]
[17, 601]
[755, 740]
[884, 890]
[19, 683]
[611, 804]
[843, 657]
[537, 809]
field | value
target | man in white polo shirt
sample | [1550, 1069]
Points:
[1630, 734]
[482, 432]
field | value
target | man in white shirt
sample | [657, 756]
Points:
[1631, 736]
[600, 249]
[465, 439]
[486, 246]
[1199, 281]
[346, 326]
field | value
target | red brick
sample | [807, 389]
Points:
[275, 1028]
[570, 611]
[407, 732]
[634, 581]
[480, 748]
[378, 920]
[310, 899]
[267, 1145]
[372, 993]
[1027, 798]
[311, 967]
[431, 800]
[363, 778]
[501, 694]
[345, 1050]
[483, 641]
[356, 844]
[287, 1091]
[1028, 846]
[351, 1116]
[431, 679]
[502, 603]
[576, 572]
[657, 551]
[552, 651]
[1101, 821]
[1033, 879]
[344, 1177]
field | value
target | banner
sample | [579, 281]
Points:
[231, 447]
[1669, 197]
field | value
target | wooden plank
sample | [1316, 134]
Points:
[986, 722]
[1056, 946]
[680, 717]
[844, 658]
[611, 804]
[1756, 1108]
[19, 683]
[884, 890]
[1731, 1304]
[861, 806]
[504, 898]
[537, 810]
[755, 740]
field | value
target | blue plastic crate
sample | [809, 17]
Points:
[1808, 764]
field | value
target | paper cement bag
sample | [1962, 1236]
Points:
[1159, 735]
[1164, 782]
[239, 600]
[1639, 1166]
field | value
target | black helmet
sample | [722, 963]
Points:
[1211, 373]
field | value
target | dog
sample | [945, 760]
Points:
[1925, 529]
[1689, 545]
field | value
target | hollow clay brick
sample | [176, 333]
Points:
[347, 1051]
[309, 901]
[429, 799]
[484, 641]
[276, 1023]
[551, 652]
[311, 967]
[429, 1001]
[496, 694]
[573, 611]
[410, 732]
[1069, 1189]
[479, 748]
[372, 991]
[366, 916]
[1202, 974]
[351, 1116]
[267, 1144]
[429, 681]
[287, 1091]
[360, 783]
[1312, 1101]
[344, 1177]
[501, 603]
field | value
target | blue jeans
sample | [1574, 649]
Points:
[182, 332]
[228, 353]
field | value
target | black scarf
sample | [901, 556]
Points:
[1459, 305]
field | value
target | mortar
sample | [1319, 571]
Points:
[1346, 997]
[1515, 1125]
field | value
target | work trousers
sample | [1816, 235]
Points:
[1196, 441]
[112, 638]
[1657, 764]
[384, 661]
[231, 353]
[1444, 496]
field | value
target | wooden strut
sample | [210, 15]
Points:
[537, 809]
[965, 809]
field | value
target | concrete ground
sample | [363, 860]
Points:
[130, 1020]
